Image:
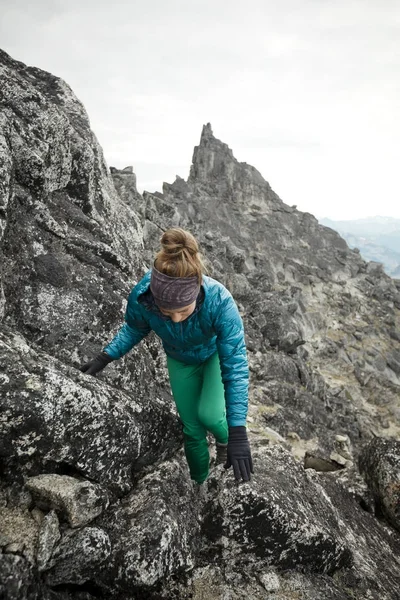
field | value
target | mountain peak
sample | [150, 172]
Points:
[207, 132]
[214, 160]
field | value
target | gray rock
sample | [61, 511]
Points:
[78, 557]
[339, 459]
[393, 361]
[153, 531]
[19, 532]
[320, 463]
[49, 535]
[270, 581]
[213, 583]
[374, 572]
[380, 464]
[18, 497]
[16, 578]
[266, 519]
[38, 515]
[78, 423]
[343, 446]
[79, 502]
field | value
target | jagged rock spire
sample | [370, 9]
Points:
[214, 162]
[211, 158]
[207, 132]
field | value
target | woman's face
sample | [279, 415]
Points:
[179, 314]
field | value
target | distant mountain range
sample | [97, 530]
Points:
[377, 238]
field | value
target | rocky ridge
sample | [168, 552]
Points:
[321, 322]
[95, 499]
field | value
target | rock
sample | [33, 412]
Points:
[380, 464]
[270, 581]
[273, 435]
[235, 256]
[38, 515]
[71, 248]
[374, 269]
[18, 497]
[49, 535]
[280, 329]
[355, 485]
[267, 520]
[374, 546]
[15, 578]
[161, 516]
[74, 423]
[275, 366]
[338, 458]
[213, 583]
[318, 463]
[343, 447]
[15, 548]
[19, 530]
[393, 361]
[77, 501]
[78, 557]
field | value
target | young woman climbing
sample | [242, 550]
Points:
[202, 333]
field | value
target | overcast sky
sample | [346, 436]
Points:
[307, 91]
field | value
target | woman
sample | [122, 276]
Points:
[202, 334]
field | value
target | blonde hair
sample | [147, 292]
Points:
[179, 255]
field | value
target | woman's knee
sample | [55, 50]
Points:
[211, 421]
[194, 432]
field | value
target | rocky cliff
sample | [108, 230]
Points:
[95, 499]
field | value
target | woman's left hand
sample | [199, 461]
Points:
[239, 454]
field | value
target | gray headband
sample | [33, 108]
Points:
[173, 292]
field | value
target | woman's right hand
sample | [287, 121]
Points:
[96, 364]
[239, 454]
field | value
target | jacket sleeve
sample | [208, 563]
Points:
[231, 347]
[132, 331]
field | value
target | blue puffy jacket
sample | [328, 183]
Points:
[214, 325]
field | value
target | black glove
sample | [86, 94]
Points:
[239, 455]
[96, 364]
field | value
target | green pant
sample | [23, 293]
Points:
[200, 399]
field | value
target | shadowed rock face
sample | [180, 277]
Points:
[323, 352]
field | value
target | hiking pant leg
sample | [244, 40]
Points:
[186, 384]
[211, 409]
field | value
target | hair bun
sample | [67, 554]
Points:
[179, 255]
[176, 240]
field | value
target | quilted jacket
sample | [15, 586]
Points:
[215, 325]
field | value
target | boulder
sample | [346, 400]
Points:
[78, 557]
[154, 531]
[79, 502]
[380, 464]
[58, 420]
[279, 518]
